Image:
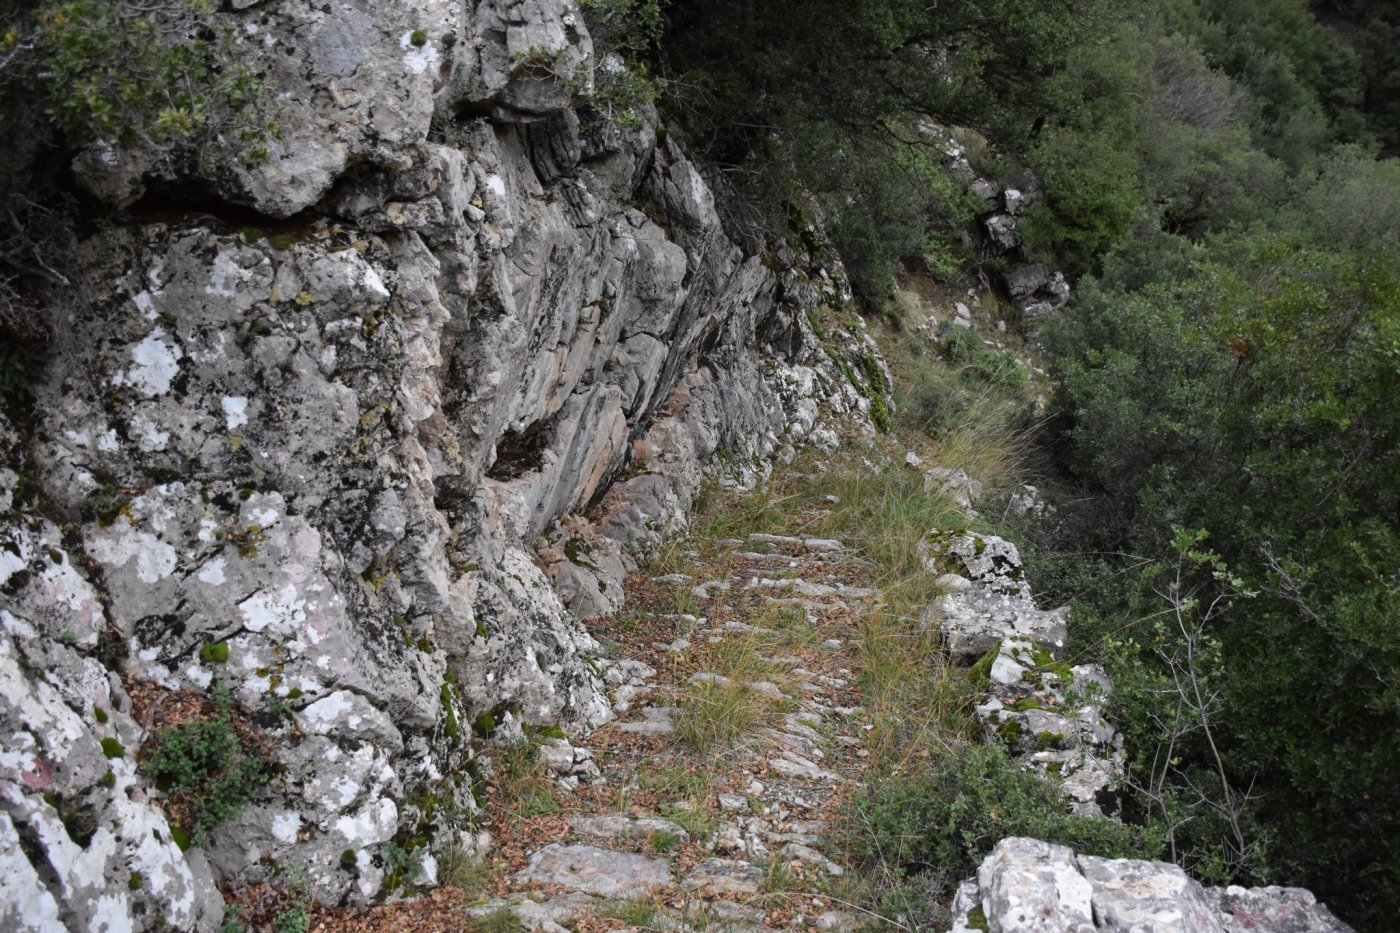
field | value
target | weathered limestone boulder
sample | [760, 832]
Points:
[343, 83]
[1027, 885]
[1051, 715]
[1272, 910]
[987, 598]
[987, 560]
[956, 484]
[976, 620]
[81, 844]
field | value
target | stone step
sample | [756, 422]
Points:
[724, 876]
[656, 720]
[624, 826]
[793, 765]
[809, 856]
[595, 870]
[811, 606]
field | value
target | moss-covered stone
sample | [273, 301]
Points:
[214, 653]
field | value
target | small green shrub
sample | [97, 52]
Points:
[233, 920]
[964, 347]
[295, 917]
[206, 764]
[950, 817]
[625, 33]
[402, 865]
[156, 72]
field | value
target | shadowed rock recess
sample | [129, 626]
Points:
[368, 467]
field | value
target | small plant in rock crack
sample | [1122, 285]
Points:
[207, 770]
[402, 865]
[522, 786]
[295, 915]
[777, 877]
[663, 842]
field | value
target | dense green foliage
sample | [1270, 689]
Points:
[1251, 393]
[1233, 368]
[950, 817]
[625, 33]
[1209, 174]
[205, 765]
[816, 101]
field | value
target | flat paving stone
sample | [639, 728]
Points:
[724, 876]
[624, 826]
[799, 852]
[594, 870]
[793, 765]
[730, 912]
[776, 539]
[549, 915]
[656, 720]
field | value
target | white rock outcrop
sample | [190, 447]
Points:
[1029, 885]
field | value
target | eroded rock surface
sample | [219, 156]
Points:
[987, 596]
[324, 461]
[1026, 884]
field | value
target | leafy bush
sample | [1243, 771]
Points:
[949, 817]
[625, 34]
[127, 72]
[402, 864]
[204, 765]
[1093, 195]
[1253, 397]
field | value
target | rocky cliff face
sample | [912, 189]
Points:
[362, 432]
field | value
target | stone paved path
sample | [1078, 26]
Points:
[661, 836]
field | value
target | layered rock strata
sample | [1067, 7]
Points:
[298, 440]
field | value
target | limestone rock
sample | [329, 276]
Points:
[1036, 887]
[592, 870]
[1272, 910]
[625, 826]
[1130, 894]
[342, 85]
[371, 466]
[1026, 884]
[73, 809]
[976, 620]
[986, 560]
[963, 489]
[724, 877]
